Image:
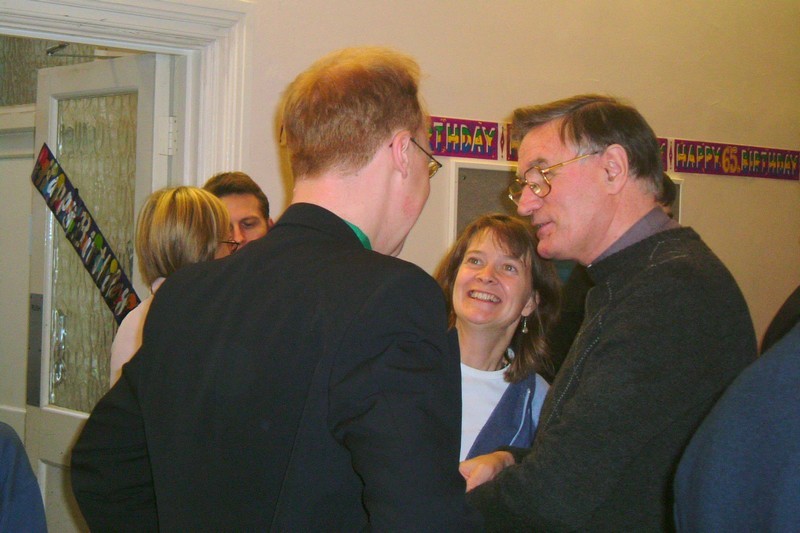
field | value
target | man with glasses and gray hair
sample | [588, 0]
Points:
[666, 329]
[305, 384]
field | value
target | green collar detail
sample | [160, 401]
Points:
[361, 235]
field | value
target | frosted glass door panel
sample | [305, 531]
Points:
[97, 149]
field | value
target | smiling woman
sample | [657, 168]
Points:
[502, 299]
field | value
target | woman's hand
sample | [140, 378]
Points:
[483, 468]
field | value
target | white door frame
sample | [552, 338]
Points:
[211, 34]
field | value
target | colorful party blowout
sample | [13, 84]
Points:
[81, 230]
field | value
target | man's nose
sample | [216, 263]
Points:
[238, 236]
[528, 203]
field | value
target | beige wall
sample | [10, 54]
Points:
[705, 70]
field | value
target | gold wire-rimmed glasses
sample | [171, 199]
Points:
[232, 245]
[433, 164]
[536, 178]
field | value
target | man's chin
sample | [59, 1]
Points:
[548, 252]
[545, 251]
[398, 249]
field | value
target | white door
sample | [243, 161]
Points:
[102, 120]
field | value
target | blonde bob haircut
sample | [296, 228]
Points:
[178, 226]
[336, 113]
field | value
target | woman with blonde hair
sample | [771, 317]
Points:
[502, 299]
[177, 226]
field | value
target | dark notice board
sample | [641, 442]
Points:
[481, 191]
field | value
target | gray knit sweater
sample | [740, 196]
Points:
[666, 330]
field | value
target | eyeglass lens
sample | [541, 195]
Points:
[433, 168]
[534, 179]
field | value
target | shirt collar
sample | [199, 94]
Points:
[653, 222]
[361, 235]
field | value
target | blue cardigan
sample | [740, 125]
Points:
[515, 417]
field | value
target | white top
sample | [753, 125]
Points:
[128, 339]
[481, 391]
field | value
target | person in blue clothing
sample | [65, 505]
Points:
[741, 470]
[21, 507]
[502, 299]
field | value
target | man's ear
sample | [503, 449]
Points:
[615, 165]
[399, 147]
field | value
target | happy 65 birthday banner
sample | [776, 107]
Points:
[481, 139]
[81, 230]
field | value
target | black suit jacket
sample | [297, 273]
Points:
[304, 383]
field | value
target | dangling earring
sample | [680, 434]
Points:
[524, 325]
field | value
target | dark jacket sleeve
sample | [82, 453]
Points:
[111, 476]
[397, 409]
